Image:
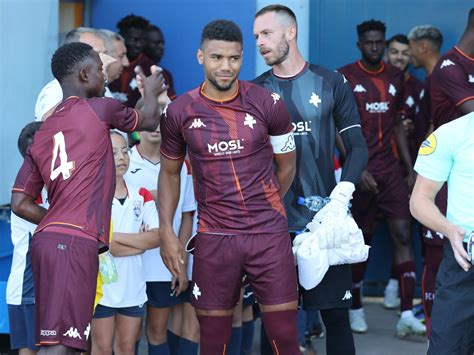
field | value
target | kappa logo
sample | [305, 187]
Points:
[377, 107]
[87, 331]
[359, 88]
[391, 90]
[409, 274]
[47, 332]
[429, 235]
[446, 63]
[410, 102]
[275, 97]
[471, 78]
[249, 121]
[197, 123]
[347, 296]
[289, 144]
[72, 333]
[196, 291]
[315, 100]
[134, 171]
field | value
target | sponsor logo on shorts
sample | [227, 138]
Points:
[429, 235]
[47, 332]
[377, 107]
[347, 296]
[428, 146]
[196, 291]
[73, 333]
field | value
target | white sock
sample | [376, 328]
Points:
[392, 285]
[407, 314]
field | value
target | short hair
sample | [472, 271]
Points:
[152, 27]
[66, 58]
[73, 35]
[398, 38]
[26, 136]
[130, 21]
[427, 32]
[109, 37]
[221, 30]
[371, 25]
[280, 10]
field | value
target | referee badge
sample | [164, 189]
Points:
[428, 146]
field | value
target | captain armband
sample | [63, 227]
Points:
[283, 144]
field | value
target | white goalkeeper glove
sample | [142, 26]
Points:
[338, 207]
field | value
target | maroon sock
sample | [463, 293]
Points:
[281, 331]
[393, 273]
[433, 255]
[407, 280]
[215, 334]
[357, 279]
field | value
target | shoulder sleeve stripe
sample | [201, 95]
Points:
[171, 157]
[345, 129]
[464, 100]
[147, 197]
[136, 120]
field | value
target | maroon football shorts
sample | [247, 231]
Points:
[391, 201]
[220, 262]
[65, 270]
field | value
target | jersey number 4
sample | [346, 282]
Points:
[65, 167]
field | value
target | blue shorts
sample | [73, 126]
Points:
[160, 295]
[22, 326]
[106, 312]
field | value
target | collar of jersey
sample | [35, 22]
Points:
[378, 71]
[462, 53]
[306, 65]
[227, 99]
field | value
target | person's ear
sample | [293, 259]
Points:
[200, 56]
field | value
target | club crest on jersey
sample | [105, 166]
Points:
[249, 120]
[377, 107]
[234, 146]
[314, 100]
[391, 90]
[428, 146]
[275, 97]
[410, 102]
[137, 210]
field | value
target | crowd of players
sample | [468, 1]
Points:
[251, 154]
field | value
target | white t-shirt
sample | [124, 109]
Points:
[144, 173]
[130, 288]
[51, 95]
[20, 285]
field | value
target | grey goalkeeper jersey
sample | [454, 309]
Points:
[320, 102]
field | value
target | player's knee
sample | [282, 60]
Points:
[336, 318]
[101, 347]
[124, 346]
[281, 330]
[156, 333]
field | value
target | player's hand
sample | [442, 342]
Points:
[180, 284]
[367, 183]
[153, 85]
[456, 237]
[172, 252]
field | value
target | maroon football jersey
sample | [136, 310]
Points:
[412, 107]
[231, 156]
[72, 155]
[452, 84]
[379, 96]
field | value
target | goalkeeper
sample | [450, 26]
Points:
[321, 104]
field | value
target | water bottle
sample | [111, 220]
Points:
[314, 203]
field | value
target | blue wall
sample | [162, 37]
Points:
[182, 22]
[333, 24]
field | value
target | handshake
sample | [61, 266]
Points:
[332, 238]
